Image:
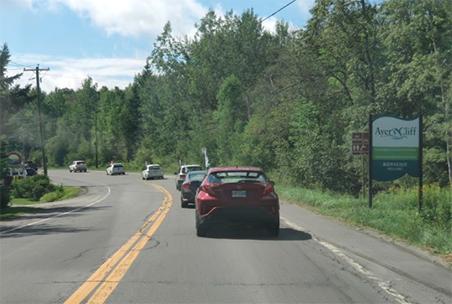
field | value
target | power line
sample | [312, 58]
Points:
[279, 10]
[22, 65]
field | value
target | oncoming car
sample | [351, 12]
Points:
[116, 168]
[237, 195]
[152, 171]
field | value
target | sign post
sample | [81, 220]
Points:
[396, 150]
[360, 146]
[421, 173]
[370, 161]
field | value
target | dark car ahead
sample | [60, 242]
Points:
[182, 173]
[189, 187]
[237, 195]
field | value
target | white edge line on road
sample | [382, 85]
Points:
[385, 285]
[59, 214]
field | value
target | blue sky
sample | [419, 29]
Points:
[109, 39]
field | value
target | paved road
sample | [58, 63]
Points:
[129, 241]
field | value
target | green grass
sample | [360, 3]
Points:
[10, 212]
[394, 212]
[62, 193]
[23, 201]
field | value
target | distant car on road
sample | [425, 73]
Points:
[30, 172]
[182, 173]
[78, 165]
[152, 171]
[237, 195]
[116, 168]
[189, 187]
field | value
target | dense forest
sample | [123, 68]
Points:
[286, 101]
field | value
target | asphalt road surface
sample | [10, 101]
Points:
[129, 241]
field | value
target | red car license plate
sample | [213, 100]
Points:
[239, 194]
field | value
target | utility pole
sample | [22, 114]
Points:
[97, 158]
[37, 70]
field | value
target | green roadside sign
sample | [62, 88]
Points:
[395, 148]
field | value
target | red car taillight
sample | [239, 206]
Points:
[181, 176]
[269, 189]
[207, 189]
[186, 185]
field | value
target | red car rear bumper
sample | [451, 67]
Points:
[240, 215]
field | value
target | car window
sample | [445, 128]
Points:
[237, 176]
[118, 166]
[194, 169]
[154, 167]
[198, 176]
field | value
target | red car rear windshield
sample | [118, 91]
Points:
[236, 177]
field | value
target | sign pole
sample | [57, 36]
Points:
[420, 164]
[364, 176]
[370, 160]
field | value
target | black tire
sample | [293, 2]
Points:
[201, 230]
[273, 229]
[183, 204]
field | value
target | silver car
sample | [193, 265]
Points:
[116, 168]
[78, 165]
[152, 171]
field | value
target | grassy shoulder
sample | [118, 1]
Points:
[394, 213]
[62, 193]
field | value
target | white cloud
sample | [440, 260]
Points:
[270, 24]
[219, 11]
[305, 6]
[132, 18]
[70, 72]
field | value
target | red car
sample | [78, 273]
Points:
[237, 195]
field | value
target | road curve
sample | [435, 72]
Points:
[50, 256]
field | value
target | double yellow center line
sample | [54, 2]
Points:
[107, 277]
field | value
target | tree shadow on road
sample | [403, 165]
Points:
[37, 213]
[251, 233]
[37, 219]
[40, 229]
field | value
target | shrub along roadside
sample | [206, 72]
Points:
[60, 194]
[32, 188]
[394, 212]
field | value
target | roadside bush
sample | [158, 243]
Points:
[32, 188]
[4, 196]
